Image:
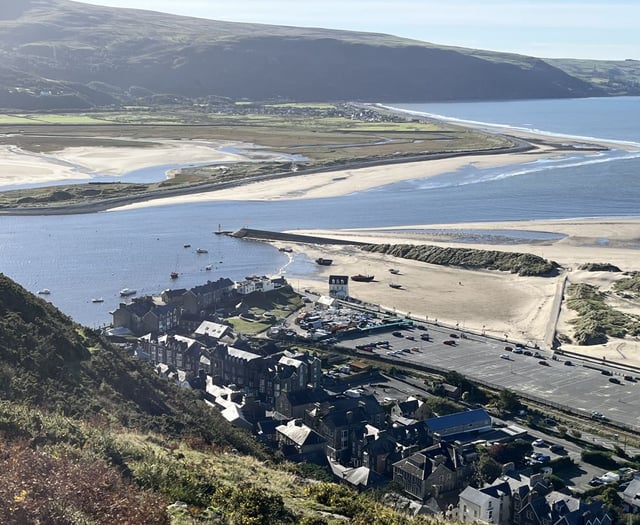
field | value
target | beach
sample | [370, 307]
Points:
[504, 305]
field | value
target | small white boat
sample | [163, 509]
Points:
[97, 300]
[208, 267]
[44, 291]
[127, 291]
[201, 250]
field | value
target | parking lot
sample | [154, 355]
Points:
[578, 385]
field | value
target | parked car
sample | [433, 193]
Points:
[505, 356]
[508, 349]
[424, 337]
[539, 443]
[537, 355]
[629, 378]
[543, 363]
[528, 352]
[449, 342]
[517, 350]
[397, 334]
[568, 363]
[557, 449]
[453, 336]
[614, 380]
[421, 327]
[605, 372]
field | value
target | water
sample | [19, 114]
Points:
[80, 257]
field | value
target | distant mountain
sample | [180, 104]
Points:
[59, 54]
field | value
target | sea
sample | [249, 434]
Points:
[84, 257]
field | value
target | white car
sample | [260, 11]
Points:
[539, 443]
[505, 356]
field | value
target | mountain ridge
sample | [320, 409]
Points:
[61, 54]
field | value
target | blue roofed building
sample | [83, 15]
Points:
[439, 428]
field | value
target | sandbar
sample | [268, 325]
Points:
[81, 164]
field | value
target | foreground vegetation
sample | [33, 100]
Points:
[524, 264]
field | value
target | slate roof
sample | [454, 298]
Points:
[417, 465]
[212, 286]
[301, 435]
[631, 494]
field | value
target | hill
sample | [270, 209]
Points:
[59, 54]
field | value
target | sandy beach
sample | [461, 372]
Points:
[346, 181]
[523, 309]
[21, 167]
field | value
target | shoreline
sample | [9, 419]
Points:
[319, 182]
[526, 309]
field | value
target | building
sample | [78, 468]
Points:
[259, 284]
[207, 297]
[631, 496]
[298, 441]
[181, 353]
[490, 505]
[212, 332]
[443, 427]
[144, 315]
[339, 286]
[431, 472]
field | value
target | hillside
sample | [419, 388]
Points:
[58, 54]
[90, 435]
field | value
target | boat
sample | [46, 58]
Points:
[97, 300]
[173, 275]
[187, 246]
[44, 291]
[127, 291]
[202, 250]
[395, 285]
[324, 262]
[286, 250]
[208, 267]
[362, 278]
[394, 271]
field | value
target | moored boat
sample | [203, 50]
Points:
[362, 278]
[394, 271]
[173, 275]
[127, 291]
[201, 250]
[97, 300]
[395, 285]
[324, 262]
[44, 291]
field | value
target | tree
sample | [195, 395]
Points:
[508, 401]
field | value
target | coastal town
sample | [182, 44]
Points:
[330, 381]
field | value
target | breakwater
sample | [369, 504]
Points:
[265, 235]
